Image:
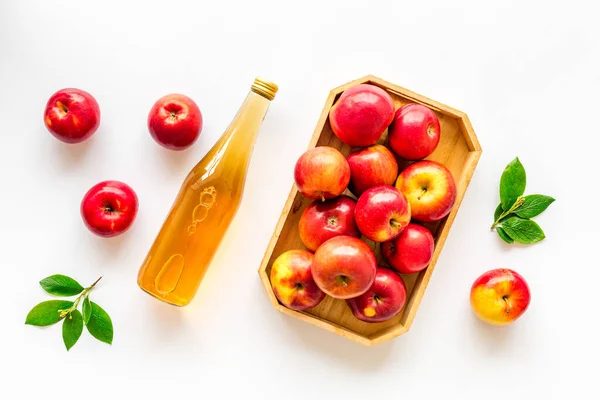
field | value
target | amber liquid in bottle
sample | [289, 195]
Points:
[204, 207]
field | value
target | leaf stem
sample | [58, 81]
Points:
[517, 204]
[94, 284]
[83, 294]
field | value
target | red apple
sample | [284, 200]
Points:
[322, 173]
[429, 188]
[411, 251]
[175, 121]
[109, 208]
[361, 114]
[382, 213]
[321, 221]
[500, 296]
[373, 166]
[415, 132]
[384, 299]
[292, 281]
[72, 115]
[344, 267]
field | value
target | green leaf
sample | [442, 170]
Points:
[534, 205]
[47, 312]
[498, 212]
[72, 328]
[61, 285]
[523, 230]
[100, 326]
[512, 183]
[502, 233]
[87, 309]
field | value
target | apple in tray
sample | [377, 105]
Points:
[292, 280]
[372, 166]
[415, 132]
[344, 267]
[361, 115]
[411, 251]
[500, 296]
[384, 299]
[381, 213]
[429, 188]
[322, 220]
[322, 173]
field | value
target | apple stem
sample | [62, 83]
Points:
[431, 130]
[422, 193]
[322, 196]
[62, 107]
[342, 280]
[508, 305]
[395, 223]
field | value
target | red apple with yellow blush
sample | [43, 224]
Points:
[411, 251]
[500, 296]
[175, 121]
[429, 188]
[322, 173]
[322, 220]
[415, 132]
[72, 115]
[372, 166]
[361, 115]
[383, 301]
[344, 267]
[292, 282]
[382, 213]
[109, 208]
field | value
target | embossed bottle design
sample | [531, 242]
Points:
[205, 206]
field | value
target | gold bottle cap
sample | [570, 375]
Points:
[265, 88]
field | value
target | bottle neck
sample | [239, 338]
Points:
[241, 134]
[230, 155]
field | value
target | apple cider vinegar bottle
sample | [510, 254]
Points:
[205, 206]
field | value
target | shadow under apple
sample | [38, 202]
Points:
[68, 155]
[176, 161]
[492, 337]
[109, 249]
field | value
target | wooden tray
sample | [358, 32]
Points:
[458, 150]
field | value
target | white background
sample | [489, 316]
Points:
[526, 72]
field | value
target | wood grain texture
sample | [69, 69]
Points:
[458, 150]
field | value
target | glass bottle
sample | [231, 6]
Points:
[205, 206]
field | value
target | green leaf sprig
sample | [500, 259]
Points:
[95, 319]
[512, 218]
